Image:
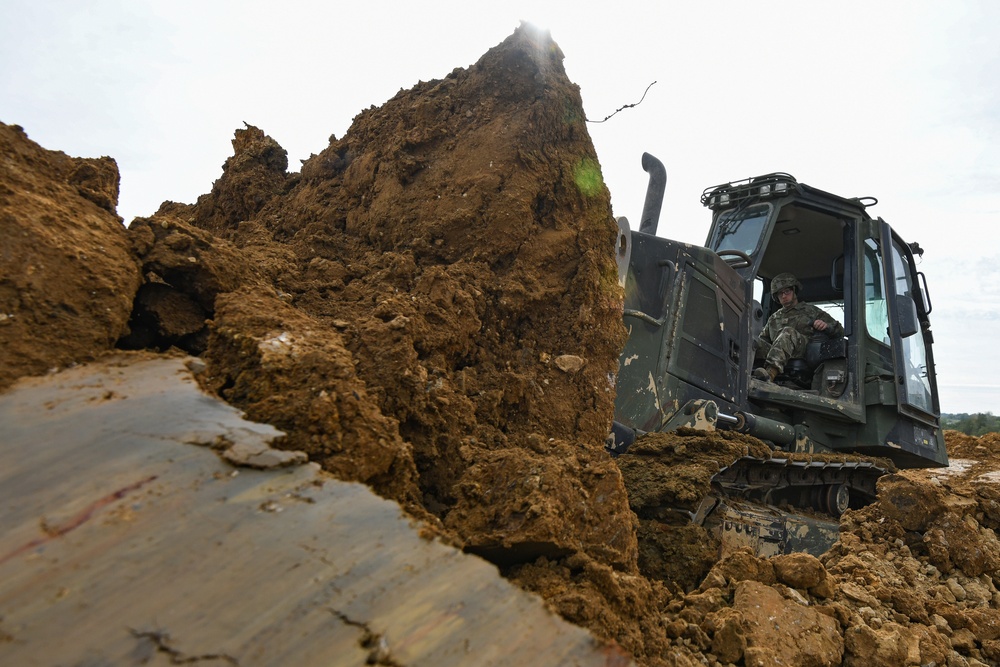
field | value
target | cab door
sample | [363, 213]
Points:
[902, 410]
[909, 329]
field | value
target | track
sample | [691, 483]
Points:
[826, 486]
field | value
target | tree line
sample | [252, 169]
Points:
[979, 423]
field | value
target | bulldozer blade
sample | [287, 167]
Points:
[769, 531]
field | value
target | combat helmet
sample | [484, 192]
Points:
[783, 280]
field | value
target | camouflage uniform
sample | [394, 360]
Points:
[787, 333]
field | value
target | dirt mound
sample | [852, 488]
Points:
[432, 310]
[67, 273]
[431, 307]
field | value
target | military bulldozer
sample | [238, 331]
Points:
[853, 408]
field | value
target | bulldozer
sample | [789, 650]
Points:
[852, 409]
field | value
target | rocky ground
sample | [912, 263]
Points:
[430, 306]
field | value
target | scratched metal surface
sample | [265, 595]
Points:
[123, 543]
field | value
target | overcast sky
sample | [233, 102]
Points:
[897, 100]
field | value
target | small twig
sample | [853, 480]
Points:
[627, 106]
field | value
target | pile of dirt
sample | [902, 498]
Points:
[431, 307]
[912, 581]
[67, 271]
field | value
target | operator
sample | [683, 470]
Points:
[787, 332]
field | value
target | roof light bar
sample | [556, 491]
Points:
[770, 185]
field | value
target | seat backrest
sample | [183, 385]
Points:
[822, 348]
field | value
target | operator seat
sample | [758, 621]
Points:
[821, 348]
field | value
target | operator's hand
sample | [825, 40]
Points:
[819, 325]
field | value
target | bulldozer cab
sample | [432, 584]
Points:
[693, 314]
[874, 390]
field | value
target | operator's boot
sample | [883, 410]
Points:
[765, 373]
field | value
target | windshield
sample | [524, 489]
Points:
[740, 229]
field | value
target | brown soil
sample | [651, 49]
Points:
[67, 273]
[431, 307]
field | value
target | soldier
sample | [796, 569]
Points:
[787, 332]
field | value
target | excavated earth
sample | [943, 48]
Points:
[430, 306]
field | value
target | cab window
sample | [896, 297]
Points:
[740, 229]
[876, 310]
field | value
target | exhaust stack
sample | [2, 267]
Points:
[654, 194]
